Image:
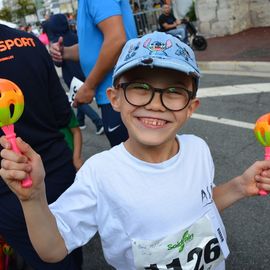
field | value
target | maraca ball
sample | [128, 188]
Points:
[11, 102]
[262, 129]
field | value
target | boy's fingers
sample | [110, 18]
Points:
[10, 165]
[12, 175]
[263, 186]
[12, 156]
[265, 164]
[4, 142]
[26, 149]
[265, 173]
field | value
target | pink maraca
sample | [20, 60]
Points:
[262, 133]
[11, 109]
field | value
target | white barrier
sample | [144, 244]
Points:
[147, 21]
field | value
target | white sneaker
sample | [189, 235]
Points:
[100, 130]
[83, 127]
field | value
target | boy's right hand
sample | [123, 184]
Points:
[15, 167]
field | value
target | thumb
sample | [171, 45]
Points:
[60, 41]
[26, 149]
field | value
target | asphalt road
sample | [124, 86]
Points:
[233, 149]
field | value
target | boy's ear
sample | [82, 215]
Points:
[194, 104]
[114, 97]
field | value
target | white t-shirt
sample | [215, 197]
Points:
[139, 206]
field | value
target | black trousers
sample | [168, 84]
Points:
[13, 227]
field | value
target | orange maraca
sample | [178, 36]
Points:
[262, 133]
[11, 109]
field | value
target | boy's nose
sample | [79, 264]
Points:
[156, 103]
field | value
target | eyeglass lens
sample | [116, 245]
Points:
[141, 94]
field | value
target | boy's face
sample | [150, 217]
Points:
[153, 124]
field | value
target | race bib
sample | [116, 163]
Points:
[194, 248]
[74, 87]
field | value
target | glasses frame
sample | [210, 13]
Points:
[124, 86]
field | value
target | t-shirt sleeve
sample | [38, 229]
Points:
[76, 209]
[73, 123]
[103, 9]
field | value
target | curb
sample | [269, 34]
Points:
[261, 69]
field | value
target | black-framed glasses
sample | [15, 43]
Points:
[173, 98]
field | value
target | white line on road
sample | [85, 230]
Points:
[233, 90]
[223, 121]
[226, 91]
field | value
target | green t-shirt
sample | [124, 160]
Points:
[67, 130]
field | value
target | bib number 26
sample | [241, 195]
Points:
[208, 254]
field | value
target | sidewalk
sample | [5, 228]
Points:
[247, 51]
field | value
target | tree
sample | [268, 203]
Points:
[5, 14]
[25, 7]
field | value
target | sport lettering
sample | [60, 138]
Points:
[8, 44]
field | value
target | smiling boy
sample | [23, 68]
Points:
[155, 206]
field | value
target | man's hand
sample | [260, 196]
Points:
[57, 50]
[84, 95]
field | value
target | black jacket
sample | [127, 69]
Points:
[25, 61]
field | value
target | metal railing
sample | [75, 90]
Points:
[147, 21]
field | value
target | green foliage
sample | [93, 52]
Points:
[25, 7]
[191, 13]
[5, 14]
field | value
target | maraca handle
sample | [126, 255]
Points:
[266, 157]
[267, 153]
[27, 182]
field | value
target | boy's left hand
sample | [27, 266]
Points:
[256, 178]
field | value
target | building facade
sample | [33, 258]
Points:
[226, 17]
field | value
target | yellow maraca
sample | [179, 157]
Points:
[11, 109]
[262, 133]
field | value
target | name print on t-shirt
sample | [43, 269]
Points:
[8, 44]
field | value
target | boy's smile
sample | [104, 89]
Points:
[152, 126]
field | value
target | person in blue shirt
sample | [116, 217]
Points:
[59, 27]
[103, 28]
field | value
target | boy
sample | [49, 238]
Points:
[153, 206]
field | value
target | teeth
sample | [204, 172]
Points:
[153, 122]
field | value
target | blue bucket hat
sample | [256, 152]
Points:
[157, 49]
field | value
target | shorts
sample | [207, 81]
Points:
[114, 128]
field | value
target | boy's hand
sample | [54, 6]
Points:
[15, 167]
[256, 177]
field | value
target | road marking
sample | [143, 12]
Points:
[228, 91]
[224, 121]
[233, 90]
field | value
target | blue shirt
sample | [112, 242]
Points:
[90, 14]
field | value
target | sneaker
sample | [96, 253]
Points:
[100, 130]
[82, 127]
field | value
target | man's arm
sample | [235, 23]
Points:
[40, 222]
[248, 184]
[167, 26]
[71, 53]
[114, 34]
